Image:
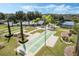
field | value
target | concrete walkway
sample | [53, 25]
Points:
[29, 33]
[51, 41]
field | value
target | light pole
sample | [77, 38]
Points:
[45, 30]
[45, 35]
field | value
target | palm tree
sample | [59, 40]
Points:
[12, 18]
[26, 19]
[20, 17]
[30, 16]
[33, 15]
[37, 14]
[9, 29]
[2, 18]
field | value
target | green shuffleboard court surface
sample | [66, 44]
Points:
[36, 43]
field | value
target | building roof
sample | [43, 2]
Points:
[68, 23]
[40, 22]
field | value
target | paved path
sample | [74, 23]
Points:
[69, 51]
[52, 41]
[29, 33]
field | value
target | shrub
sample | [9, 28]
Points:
[73, 31]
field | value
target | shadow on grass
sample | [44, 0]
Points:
[51, 51]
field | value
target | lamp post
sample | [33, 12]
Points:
[45, 35]
[45, 30]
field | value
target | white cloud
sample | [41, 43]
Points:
[52, 8]
[61, 9]
[33, 7]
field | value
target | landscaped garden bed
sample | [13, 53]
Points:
[69, 51]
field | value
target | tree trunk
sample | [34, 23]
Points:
[9, 30]
[21, 30]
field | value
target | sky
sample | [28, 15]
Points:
[44, 8]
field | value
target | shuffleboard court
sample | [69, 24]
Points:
[36, 44]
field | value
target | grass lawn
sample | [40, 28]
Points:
[8, 50]
[59, 30]
[4, 30]
[58, 49]
[3, 26]
[38, 31]
[28, 29]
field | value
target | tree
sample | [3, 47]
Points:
[33, 15]
[9, 29]
[75, 19]
[36, 20]
[61, 19]
[30, 16]
[76, 28]
[2, 16]
[48, 19]
[37, 14]
[20, 16]
[12, 18]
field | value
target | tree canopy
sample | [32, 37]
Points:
[2, 16]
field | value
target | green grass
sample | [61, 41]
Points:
[3, 26]
[58, 49]
[59, 30]
[38, 31]
[8, 50]
[28, 29]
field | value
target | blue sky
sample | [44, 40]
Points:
[55, 8]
